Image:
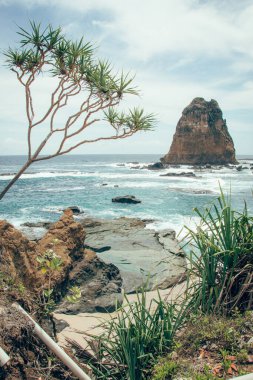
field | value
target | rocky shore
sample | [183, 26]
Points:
[142, 255]
[101, 257]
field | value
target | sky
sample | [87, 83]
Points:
[177, 50]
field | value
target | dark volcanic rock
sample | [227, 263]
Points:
[126, 199]
[75, 209]
[156, 166]
[183, 174]
[201, 136]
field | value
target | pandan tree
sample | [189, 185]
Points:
[77, 73]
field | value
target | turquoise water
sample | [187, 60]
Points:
[91, 181]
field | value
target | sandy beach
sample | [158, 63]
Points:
[90, 323]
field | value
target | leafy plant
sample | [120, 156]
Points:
[7, 282]
[130, 343]
[74, 295]
[49, 263]
[221, 261]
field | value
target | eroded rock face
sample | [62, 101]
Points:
[201, 136]
[99, 283]
[18, 260]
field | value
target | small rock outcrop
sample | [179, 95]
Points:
[201, 136]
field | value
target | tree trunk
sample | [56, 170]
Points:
[15, 178]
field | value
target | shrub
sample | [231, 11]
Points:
[221, 261]
[131, 342]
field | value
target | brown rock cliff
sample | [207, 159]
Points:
[201, 136]
[100, 283]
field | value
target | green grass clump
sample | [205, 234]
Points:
[132, 342]
[221, 261]
[165, 369]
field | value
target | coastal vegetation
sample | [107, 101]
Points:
[94, 281]
[74, 72]
[221, 260]
[207, 333]
[131, 343]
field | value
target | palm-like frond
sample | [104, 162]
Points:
[135, 120]
[130, 343]
[222, 259]
[16, 58]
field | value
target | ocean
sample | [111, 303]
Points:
[91, 181]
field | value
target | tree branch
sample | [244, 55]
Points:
[115, 137]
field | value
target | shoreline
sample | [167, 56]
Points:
[141, 254]
[92, 183]
[82, 323]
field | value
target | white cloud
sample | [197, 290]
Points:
[148, 31]
[151, 27]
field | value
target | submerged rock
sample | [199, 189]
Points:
[126, 199]
[240, 168]
[156, 166]
[183, 174]
[45, 224]
[192, 191]
[201, 136]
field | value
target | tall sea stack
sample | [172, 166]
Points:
[201, 136]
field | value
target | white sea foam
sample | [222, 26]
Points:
[80, 174]
[128, 184]
[177, 223]
[62, 189]
[53, 209]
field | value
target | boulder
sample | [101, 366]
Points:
[201, 136]
[126, 199]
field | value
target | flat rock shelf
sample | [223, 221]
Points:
[143, 255]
